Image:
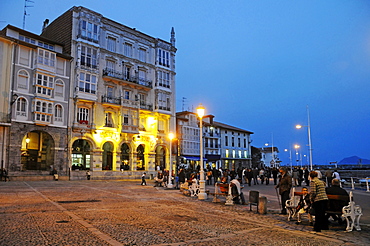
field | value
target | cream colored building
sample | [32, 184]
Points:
[122, 95]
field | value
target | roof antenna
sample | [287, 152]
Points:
[25, 11]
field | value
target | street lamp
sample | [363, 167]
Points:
[309, 135]
[296, 152]
[170, 185]
[202, 184]
[290, 157]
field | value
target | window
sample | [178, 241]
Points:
[227, 153]
[239, 142]
[245, 143]
[59, 88]
[87, 83]
[127, 49]
[21, 107]
[163, 58]
[43, 111]
[108, 119]
[163, 101]
[163, 79]
[89, 57]
[89, 30]
[126, 94]
[83, 115]
[125, 119]
[232, 141]
[127, 72]
[141, 99]
[110, 65]
[58, 113]
[142, 55]
[61, 63]
[44, 84]
[111, 44]
[226, 141]
[23, 79]
[46, 57]
[110, 92]
[24, 56]
[142, 77]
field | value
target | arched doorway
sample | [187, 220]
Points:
[160, 158]
[140, 162]
[125, 157]
[81, 156]
[37, 151]
[107, 156]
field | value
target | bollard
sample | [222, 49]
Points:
[262, 205]
[353, 184]
[367, 185]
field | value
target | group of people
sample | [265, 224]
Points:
[316, 200]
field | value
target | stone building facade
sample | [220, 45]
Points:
[37, 80]
[122, 94]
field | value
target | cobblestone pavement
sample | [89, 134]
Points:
[126, 213]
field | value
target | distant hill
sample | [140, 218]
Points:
[353, 160]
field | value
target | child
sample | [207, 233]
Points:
[304, 206]
[143, 182]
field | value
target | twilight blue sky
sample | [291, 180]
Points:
[256, 64]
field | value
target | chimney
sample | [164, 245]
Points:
[46, 23]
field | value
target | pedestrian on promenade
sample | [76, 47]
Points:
[319, 201]
[255, 175]
[143, 181]
[249, 176]
[305, 175]
[336, 175]
[284, 185]
[304, 206]
[5, 174]
[88, 174]
[275, 173]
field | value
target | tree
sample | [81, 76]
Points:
[256, 157]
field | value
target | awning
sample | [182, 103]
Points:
[213, 157]
[193, 158]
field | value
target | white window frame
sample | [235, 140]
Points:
[58, 113]
[88, 83]
[83, 115]
[23, 76]
[21, 107]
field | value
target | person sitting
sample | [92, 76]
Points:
[236, 192]
[336, 205]
[304, 206]
[224, 187]
[158, 179]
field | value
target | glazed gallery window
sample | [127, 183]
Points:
[87, 83]
[89, 57]
[164, 58]
[83, 115]
[43, 111]
[163, 79]
[44, 84]
[89, 30]
[46, 57]
[21, 108]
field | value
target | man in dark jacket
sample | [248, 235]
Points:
[335, 205]
[284, 185]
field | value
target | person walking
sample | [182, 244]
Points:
[143, 181]
[284, 185]
[319, 201]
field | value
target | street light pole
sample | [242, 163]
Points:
[309, 135]
[170, 185]
[202, 184]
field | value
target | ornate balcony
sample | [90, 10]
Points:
[131, 79]
[112, 100]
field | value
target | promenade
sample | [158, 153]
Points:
[126, 213]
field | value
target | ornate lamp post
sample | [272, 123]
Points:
[202, 184]
[170, 185]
